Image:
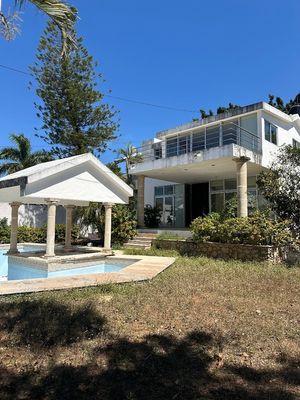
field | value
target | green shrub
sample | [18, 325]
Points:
[4, 231]
[152, 216]
[27, 234]
[256, 229]
[206, 229]
[123, 221]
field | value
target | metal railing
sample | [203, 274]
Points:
[206, 138]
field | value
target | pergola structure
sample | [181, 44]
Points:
[69, 182]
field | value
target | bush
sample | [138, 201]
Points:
[256, 229]
[4, 231]
[27, 234]
[123, 221]
[152, 216]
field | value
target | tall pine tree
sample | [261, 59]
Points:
[75, 120]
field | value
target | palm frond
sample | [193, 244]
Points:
[61, 14]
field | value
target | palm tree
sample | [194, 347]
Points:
[130, 156]
[61, 14]
[20, 157]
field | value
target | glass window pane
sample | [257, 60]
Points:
[216, 185]
[213, 136]
[267, 130]
[158, 190]
[217, 202]
[179, 205]
[230, 132]
[183, 144]
[169, 189]
[230, 184]
[159, 202]
[252, 182]
[199, 141]
[171, 149]
[273, 134]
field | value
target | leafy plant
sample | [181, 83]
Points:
[280, 186]
[21, 155]
[152, 216]
[257, 229]
[123, 221]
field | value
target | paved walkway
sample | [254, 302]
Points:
[143, 268]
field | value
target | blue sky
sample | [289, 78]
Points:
[184, 54]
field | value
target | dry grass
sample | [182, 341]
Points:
[203, 329]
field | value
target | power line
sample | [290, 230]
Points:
[142, 103]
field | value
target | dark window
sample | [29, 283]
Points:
[213, 136]
[270, 132]
[171, 147]
[198, 141]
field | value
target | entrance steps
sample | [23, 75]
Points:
[142, 240]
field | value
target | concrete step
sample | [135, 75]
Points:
[141, 240]
[136, 246]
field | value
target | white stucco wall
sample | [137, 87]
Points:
[32, 215]
[286, 132]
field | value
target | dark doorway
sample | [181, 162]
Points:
[196, 201]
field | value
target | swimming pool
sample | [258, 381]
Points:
[15, 271]
[4, 258]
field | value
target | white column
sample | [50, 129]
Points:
[107, 230]
[140, 200]
[51, 228]
[242, 187]
[69, 222]
[13, 249]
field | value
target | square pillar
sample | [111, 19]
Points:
[140, 200]
[13, 249]
[51, 228]
[107, 229]
[69, 223]
[242, 186]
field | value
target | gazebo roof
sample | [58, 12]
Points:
[76, 180]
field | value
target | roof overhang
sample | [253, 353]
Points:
[75, 180]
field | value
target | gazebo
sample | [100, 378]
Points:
[69, 182]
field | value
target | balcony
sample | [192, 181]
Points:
[202, 140]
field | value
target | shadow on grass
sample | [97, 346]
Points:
[47, 323]
[157, 368]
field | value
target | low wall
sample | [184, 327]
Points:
[225, 251]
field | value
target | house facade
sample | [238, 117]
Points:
[193, 169]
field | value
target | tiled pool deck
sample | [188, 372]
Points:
[143, 268]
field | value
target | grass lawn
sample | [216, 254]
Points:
[203, 329]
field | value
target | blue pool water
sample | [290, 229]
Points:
[16, 271]
[4, 259]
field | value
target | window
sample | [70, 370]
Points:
[184, 144]
[172, 147]
[296, 144]
[221, 191]
[216, 185]
[230, 132]
[169, 190]
[213, 136]
[230, 184]
[158, 190]
[199, 141]
[270, 132]
[157, 150]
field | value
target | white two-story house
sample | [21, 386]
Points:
[193, 169]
